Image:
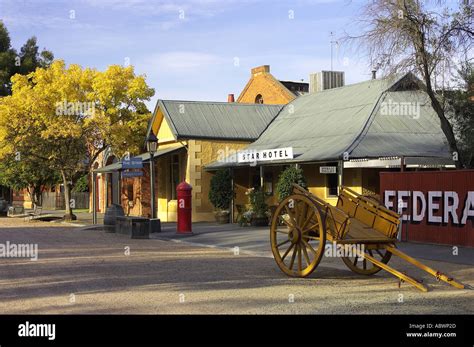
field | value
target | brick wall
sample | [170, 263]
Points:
[263, 83]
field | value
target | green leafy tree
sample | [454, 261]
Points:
[26, 174]
[11, 63]
[286, 179]
[31, 57]
[7, 60]
[82, 184]
[221, 191]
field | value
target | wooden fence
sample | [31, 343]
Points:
[53, 201]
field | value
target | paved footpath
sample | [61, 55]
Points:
[89, 271]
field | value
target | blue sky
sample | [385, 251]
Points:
[192, 49]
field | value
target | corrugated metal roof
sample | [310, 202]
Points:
[323, 126]
[144, 156]
[217, 120]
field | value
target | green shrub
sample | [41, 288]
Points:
[257, 200]
[286, 179]
[82, 184]
[221, 191]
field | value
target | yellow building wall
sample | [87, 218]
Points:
[162, 129]
[317, 185]
[201, 153]
[262, 82]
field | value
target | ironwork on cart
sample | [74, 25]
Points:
[363, 228]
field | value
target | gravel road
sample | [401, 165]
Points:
[89, 271]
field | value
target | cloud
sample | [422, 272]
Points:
[179, 62]
[197, 8]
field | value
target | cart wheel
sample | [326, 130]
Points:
[297, 235]
[365, 267]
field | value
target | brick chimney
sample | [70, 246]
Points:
[260, 70]
[230, 98]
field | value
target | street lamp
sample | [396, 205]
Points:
[152, 146]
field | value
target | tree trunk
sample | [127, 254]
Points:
[37, 192]
[445, 125]
[447, 129]
[31, 193]
[67, 198]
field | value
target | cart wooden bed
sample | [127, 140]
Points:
[303, 223]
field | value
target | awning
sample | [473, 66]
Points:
[395, 162]
[144, 156]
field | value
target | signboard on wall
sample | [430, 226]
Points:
[250, 156]
[436, 206]
[328, 169]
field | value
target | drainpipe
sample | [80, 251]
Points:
[232, 202]
[340, 175]
[94, 197]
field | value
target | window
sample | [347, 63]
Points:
[268, 183]
[259, 99]
[332, 181]
[174, 173]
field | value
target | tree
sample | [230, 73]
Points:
[460, 105]
[25, 62]
[221, 191]
[26, 174]
[411, 35]
[287, 178]
[66, 116]
[7, 60]
[31, 57]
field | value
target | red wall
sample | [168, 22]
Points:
[445, 231]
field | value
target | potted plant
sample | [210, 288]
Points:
[221, 193]
[259, 207]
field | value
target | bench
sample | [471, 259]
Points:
[136, 227]
[36, 213]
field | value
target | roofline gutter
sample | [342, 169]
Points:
[323, 161]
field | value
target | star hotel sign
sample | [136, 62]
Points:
[265, 155]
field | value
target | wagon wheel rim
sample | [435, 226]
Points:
[365, 267]
[297, 236]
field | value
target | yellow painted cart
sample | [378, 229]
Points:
[359, 226]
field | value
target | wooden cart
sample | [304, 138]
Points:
[360, 228]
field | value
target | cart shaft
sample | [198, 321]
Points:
[439, 275]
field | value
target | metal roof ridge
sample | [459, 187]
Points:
[370, 119]
[270, 122]
[222, 103]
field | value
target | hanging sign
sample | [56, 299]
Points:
[328, 169]
[265, 155]
[132, 163]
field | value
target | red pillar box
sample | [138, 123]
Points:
[184, 194]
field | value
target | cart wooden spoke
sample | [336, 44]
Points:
[302, 223]
[297, 236]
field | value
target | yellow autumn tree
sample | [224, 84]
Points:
[66, 116]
